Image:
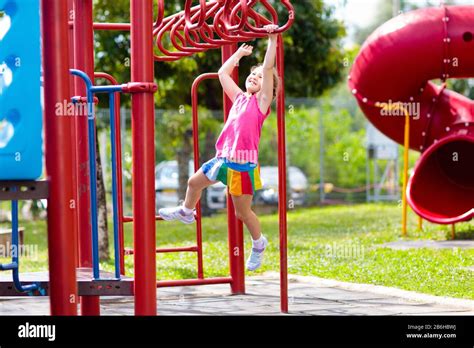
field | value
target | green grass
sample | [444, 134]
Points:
[342, 243]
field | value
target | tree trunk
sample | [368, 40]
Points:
[101, 208]
[183, 156]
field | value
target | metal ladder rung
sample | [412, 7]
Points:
[194, 248]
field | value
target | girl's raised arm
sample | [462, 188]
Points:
[228, 84]
[265, 96]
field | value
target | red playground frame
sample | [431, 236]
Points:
[68, 43]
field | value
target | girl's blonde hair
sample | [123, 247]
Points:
[276, 79]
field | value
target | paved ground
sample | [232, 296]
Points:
[308, 296]
[431, 244]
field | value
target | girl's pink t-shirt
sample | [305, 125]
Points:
[240, 136]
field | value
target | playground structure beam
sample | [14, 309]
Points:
[282, 194]
[195, 122]
[143, 134]
[62, 241]
[84, 60]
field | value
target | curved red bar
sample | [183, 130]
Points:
[169, 56]
[242, 5]
[190, 33]
[219, 26]
[207, 32]
[194, 41]
[258, 18]
[396, 65]
[174, 34]
[195, 47]
[187, 14]
[161, 13]
[194, 106]
[289, 23]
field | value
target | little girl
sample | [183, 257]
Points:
[236, 161]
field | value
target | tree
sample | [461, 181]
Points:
[313, 57]
[102, 208]
[313, 51]
[313, 54]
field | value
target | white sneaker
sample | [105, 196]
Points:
[176, 213]
[256, 257]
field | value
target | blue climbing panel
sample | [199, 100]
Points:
[20, 90]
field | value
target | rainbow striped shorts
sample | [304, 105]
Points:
[241, 179]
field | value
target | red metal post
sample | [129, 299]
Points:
[70, 10]
[84, 60]
[235, 227]
[282, 199]
[59, 166]
[143, 142]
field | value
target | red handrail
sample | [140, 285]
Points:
[194, 106]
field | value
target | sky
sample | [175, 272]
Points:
[359, 13]
[354, 13]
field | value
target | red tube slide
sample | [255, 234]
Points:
[396, 65]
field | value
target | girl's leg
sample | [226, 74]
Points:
[244, 212]
[196, 183]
